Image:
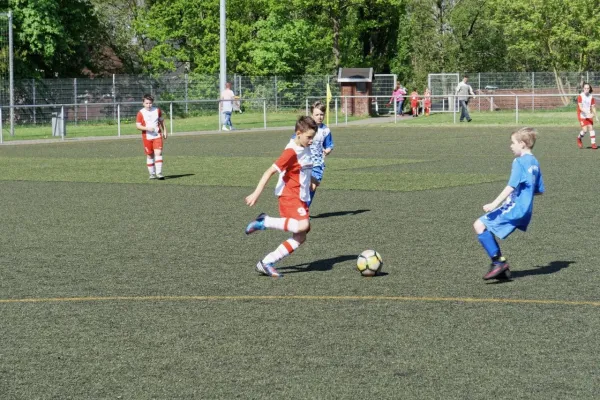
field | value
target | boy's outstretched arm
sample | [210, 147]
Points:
[252, 198]
[501, 197]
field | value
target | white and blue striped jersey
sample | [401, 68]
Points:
[323, 140]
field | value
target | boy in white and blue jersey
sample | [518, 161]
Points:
[513, 207]
[321, 147]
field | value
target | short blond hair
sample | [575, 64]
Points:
[526, 135]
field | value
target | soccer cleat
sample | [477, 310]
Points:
[257, 225]
[469, 120]
[496, 269]
[504, 276]
[160, 177]
[594, 146]
[268, 269]
[152, 176]
[579, 143]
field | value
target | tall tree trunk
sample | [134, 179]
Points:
[559, 85]
[336, 41]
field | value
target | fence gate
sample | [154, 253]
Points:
[442, 85]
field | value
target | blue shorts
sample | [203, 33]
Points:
[317, 172]
[497, 222]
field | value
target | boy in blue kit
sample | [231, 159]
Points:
[513, 207]
[321, 147]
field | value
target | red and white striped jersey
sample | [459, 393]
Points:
[584, 105]
[295, 168]
[150, 119]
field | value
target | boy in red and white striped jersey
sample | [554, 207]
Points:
[293, 189]
[150, 121]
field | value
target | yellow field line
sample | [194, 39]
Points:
[313, 298]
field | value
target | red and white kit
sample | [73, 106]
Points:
[293, 187]
[151, 119]
[584, 109]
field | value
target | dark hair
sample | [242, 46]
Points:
[465, 76]
[318, 105]
[149, 97]
[305, 124]
[585, 83]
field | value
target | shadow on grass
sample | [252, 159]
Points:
[178, 176]
[319, 265]
[551, 268]
[338, 214]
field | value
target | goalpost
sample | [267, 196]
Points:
[443, 85]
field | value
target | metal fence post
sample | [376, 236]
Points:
[517, 108]
[186, 96]
[453, 97]
[62, 118]
[75, 98]
[219, 115]
[276, 94]
[346, 107]
[307, 106]
[171, 115]
[336, 111]
[1, 133]
[265, 113]
[114, 93]
[533, 92]
[479, 91]
[119, 120]
[33, 93]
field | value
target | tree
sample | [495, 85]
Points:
[550, 35]
[54, 37]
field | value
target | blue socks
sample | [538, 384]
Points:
[488, 241]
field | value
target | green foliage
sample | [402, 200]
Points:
[54, 37]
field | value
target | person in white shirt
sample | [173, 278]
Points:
[464, 91]
[226, 106]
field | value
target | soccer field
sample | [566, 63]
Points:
[113, 286]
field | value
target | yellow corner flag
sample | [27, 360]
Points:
[327, 106]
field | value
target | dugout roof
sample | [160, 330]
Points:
[355, 75]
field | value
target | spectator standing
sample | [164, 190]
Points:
[464, 91]
[226, 106]
[398, 97]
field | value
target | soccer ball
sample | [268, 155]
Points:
[369, 263]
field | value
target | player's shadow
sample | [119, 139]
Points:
[178, 176]
[317, 266]
[338, 214]
[551, 268]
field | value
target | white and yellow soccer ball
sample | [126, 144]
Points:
[369, 263]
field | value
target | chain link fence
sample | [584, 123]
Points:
[96, 99]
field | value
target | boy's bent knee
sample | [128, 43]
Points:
[479, 227]
[303, 226]
[300, 237]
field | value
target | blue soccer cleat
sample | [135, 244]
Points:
[257, 225]
[268, 269]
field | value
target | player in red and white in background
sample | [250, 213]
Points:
[150, 121]
[293, 189]
[427, 102]
[586, 112]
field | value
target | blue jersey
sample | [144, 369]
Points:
[515, 212]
